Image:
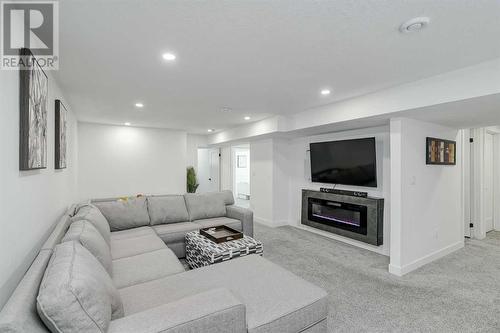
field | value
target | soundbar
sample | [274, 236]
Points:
[344, 192]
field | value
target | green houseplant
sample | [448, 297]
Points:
[192, 183]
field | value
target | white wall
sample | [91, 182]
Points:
[193, 142]
[426, 219]
[301, 178]
[106, 168]
[30, 201]
[282, 161]
[261, 180]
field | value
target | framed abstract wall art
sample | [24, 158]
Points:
[34, 90]
[441, 152]
[61, 116]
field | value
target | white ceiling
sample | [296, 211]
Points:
[256, 57]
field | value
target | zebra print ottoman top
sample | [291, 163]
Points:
[201, 251]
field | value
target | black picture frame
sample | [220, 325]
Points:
[33, 111]
[440, 151]
[61, 143]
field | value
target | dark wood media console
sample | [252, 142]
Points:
[355, 217]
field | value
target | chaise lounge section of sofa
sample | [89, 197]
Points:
[104, 270]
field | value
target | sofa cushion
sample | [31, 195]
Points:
[214, 311]
[87, 235]
[132, 233]
[227, 196]
[125, 214]
[232, 223]
[178, 248]
[205, 206]
[174, 232]
[145, 267]
[132, 246]
[167, 209]
[76, 293]
[276, 300]
[92, 214]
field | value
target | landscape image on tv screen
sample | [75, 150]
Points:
[347, 162]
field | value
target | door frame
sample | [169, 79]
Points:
[467, 182]
[478, 178]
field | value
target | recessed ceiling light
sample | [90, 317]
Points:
[139, 105]
[247, 118]
[226, 109]
[325, 92]
[210, 130]
[415, 24]
[168, 56]
[127, 124]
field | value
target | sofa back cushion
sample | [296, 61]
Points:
[125, 213]
[76, 293]
[87, 235]
[167, 209]
[92, 214]
[205, 206]
[227, 196]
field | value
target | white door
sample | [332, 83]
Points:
[208, 170]
[488, 181]
[214, 175]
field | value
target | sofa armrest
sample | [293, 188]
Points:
[216, 310]
[244, 215]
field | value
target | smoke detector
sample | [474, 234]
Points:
[415, 24]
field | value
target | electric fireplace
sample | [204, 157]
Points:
[338, 214]
[358, 218]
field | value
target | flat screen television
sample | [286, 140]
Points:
[347, 162]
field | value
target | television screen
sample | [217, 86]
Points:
[347, 162]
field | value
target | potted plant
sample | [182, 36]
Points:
[192, 183]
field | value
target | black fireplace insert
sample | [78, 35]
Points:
[346, 216]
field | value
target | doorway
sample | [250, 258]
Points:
[208, 170]
[485, 181]
[488, 181]
[241, 174]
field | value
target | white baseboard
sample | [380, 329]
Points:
[396, 270]
[270, 223]
[402, 270]
[377, 249]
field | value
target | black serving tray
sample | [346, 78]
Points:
[221, 233]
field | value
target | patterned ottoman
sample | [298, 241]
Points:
[201, 251]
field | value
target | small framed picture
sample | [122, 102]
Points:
[441, 152]
[241, 161]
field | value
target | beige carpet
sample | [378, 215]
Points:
[458, 293]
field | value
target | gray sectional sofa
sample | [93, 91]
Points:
[112, 266]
